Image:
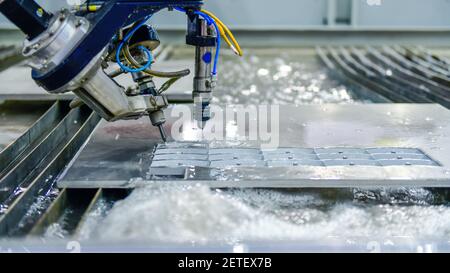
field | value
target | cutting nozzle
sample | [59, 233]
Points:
[157, 118]
[162, 132]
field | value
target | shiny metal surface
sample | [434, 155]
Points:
[91, 84]
[52, 47]
[204, 82]
[67, 138]
[328, 245]
[119, 153]
[288, 157]
[15, 119]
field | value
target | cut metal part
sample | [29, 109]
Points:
[388, 145]
[285, 157]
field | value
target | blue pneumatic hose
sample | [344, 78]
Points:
[125, 40]
[210, 21]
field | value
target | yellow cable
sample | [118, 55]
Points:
[222, 33]
[93, 8]
[226, 39]
[224, 30]
[88, 8]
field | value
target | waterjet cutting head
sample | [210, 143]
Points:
[71, 50]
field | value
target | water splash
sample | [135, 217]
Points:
[197, 214]
[288, 78]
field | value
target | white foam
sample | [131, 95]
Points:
[196, 214]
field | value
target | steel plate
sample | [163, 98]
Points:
[119, 154]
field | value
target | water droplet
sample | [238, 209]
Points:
[263, 72]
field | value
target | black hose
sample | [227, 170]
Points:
[27, 15]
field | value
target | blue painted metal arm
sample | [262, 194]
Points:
[113, 15]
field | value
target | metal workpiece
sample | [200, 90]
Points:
[286, 157]
[319, 146]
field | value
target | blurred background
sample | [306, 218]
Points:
[390, 21]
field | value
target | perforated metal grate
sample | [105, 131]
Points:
[175, 155]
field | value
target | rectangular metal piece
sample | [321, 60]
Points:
[163, 157]
[180, 163]
[286, 157]
[320, 146]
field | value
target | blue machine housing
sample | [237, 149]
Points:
[113, 15]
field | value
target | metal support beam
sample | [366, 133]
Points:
[331, 12]
[77, 133]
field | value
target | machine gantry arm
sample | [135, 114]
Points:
[69, 51]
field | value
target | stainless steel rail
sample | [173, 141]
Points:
[396, 73]
[59, 147]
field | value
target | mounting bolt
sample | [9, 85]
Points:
[79, 23]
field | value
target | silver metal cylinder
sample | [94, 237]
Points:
[203, 64]
[108, 93]
[52, 47]
[157, 117]
[203, 80]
